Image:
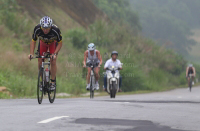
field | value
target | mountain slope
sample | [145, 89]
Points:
[84, 12]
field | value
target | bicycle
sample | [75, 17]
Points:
[190, 84]
[43, 85]
[92, 64]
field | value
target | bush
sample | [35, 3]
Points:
[78, 38]
[13, 19]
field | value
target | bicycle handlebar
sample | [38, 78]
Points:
[46, 55]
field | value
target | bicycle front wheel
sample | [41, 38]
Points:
[190, 85]
[92, 87]
[52, 95]
[40, 85]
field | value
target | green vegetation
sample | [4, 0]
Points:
[147, 67]
[120, 10]
[169, 21]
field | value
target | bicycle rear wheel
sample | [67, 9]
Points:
[52, 94]
[91, 93]
[40, 85]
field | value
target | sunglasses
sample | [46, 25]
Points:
[46, 28]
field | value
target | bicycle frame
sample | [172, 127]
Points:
[43, 65]
[46, 56]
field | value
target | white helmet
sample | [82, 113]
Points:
[190, 65]
[91, 47]
[46, 22]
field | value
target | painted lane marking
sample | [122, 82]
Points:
[122, 102]
[52, 119]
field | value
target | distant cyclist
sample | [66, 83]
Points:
[49, 39]
[113, 62]
[190, 70]
[92, 54]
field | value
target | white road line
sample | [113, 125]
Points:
[179, 97]
[122, 102]
[52, 119]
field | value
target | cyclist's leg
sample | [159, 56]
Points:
[52, 48]
[88, 75]
[188, 81]
[41, 48]
[193, 80]
[96, 71]
[193, 77]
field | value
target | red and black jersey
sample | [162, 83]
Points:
[53, 35]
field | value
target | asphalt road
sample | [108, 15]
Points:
[176, 110]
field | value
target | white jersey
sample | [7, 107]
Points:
[109, 63]
[92, 57]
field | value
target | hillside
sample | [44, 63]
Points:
[83, 12]
[146, 65]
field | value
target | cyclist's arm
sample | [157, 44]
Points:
[194, 71]
[99, 57]
[32, 47]
[186, 71]
[59, 40]
[85, 57]
[58, 47]
[34, 39]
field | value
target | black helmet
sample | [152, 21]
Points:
[114, 52]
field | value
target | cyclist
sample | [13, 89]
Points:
[190, 70]
[92, 54]
[50, 38]
[112, 62]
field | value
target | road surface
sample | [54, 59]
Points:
[176, 110]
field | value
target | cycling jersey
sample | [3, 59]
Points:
[93, 57]
[53, 35]
[190, 71]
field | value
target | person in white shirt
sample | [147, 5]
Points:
[109, 63]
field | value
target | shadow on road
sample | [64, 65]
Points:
[138, 125]
[173, 102]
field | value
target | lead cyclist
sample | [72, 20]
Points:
[50, 38]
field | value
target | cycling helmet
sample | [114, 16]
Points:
[190, 65]
[46, 22]
[91, 47]
[114, 52]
